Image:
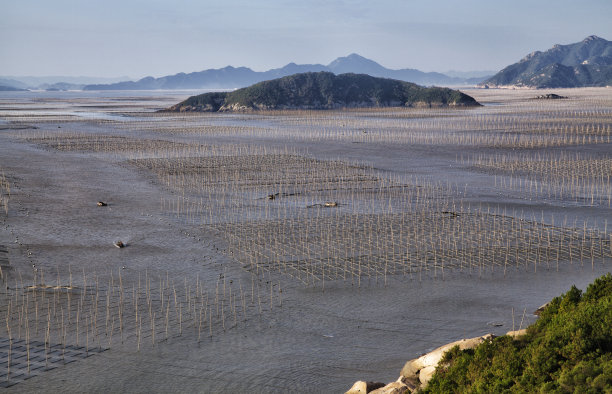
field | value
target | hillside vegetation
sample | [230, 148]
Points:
[325, 90]
[568, 350]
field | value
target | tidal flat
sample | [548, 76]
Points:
[285, 251]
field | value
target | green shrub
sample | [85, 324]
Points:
[568, 350]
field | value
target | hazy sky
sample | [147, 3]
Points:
[159, 37]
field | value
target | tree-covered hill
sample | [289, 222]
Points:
[325, 90]
[567, 350]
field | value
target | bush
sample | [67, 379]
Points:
[568, 350]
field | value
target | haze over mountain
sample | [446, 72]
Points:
[582, 64]
[325, 90]
[12, 83]
[470, 74]
[9, 88]
[54, 82]
[235, 77]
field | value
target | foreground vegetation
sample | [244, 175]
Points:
[569, 349]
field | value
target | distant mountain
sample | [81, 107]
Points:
[354, 63]
[470, 74]
[231, 77]
[42, 81]
[60, 86]
[12, 83]
[324, 90]
[358, 64]
[585, 63]
[4, 88]
[223, 78]
[54, 82]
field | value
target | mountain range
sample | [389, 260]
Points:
[325, 90]
[582, 64]
[236, 77]
[52, 82]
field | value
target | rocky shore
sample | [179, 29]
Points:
[418, 372]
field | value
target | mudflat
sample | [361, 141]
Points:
[286, 251]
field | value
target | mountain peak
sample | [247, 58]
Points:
[356, 64]
[354, 56]
[593, 38]
[531, 56]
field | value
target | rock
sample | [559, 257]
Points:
[361, 387]
[425, 374]
[391, 388]
[433, 357]
[410, 385]
[427, 363]
[541, 309]
[419, 371]
[549, 96]
[517, 333]
[410, 372]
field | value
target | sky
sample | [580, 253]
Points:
[137, 38]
